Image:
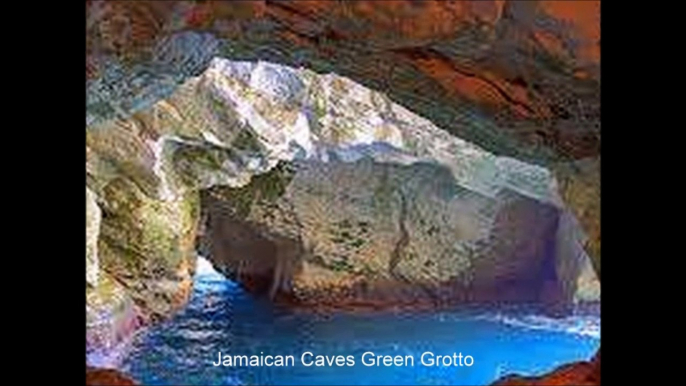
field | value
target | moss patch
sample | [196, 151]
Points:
[265, 188]
[139, 233]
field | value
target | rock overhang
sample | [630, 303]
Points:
[359, 123]
[238, 120]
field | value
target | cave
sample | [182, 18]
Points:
[322, 164]
[319, 179]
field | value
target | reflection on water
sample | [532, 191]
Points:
[222, 317]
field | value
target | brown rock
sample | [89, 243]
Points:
[579, 186]
[107, 377]
[516, 64]
[582, 373]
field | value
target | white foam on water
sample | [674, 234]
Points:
[204, 267]
[577, 324]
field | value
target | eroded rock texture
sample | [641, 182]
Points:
[582, 373]
[518, 78]
[93, 215]
[365, 233]
[483, 97]
[320, 189]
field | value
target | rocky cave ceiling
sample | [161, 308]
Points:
[504, 95]
[517, 78]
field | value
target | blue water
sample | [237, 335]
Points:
[223, 317]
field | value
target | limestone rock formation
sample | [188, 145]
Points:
[518, 78]
[486, 71]
[579, 187]
[507, 91]
[364, 232]
[148, 245]
[111, 317]
[92, 232]
[435, 209]
[224, 126]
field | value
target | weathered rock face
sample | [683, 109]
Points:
[579, 184]
[145, 260]
[487, 71]
[517, 78]
[364, 233]
[111, 316]
[149, 245]
[441, 218]
[107, 377]
[92, 232]
[582, 373]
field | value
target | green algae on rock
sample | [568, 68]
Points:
[148, 244]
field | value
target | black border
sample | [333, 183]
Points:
[54, 44]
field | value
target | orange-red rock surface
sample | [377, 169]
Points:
[530, 68]
[584, 373]
[107, 377]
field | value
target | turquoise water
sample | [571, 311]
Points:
[222, 317]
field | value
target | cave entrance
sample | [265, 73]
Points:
[318, 190]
